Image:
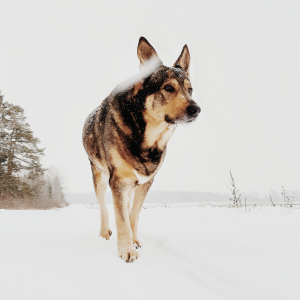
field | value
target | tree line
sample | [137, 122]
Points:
[24, 183]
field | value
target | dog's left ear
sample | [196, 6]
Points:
[183, 61]
[146, 52]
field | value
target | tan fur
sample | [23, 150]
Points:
[139, 196]
[126, 137]
[100, 182]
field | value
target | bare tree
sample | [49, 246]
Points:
[54, 183]
[272, 201]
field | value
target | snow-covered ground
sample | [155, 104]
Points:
[187, 253]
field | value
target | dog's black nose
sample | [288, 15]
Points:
[193, 110]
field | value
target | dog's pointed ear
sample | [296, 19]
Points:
[183, 61]
[146, 52]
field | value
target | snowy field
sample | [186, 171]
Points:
[187, 253]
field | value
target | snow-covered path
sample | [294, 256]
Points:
[187, 253]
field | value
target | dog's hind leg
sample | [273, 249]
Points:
[100, 184]
[139, 197]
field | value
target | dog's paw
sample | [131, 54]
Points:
[106, 233]
[137, 244]
[129, 255]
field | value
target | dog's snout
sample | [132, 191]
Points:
[193, 110]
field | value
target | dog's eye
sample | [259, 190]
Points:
[169, 88]
[190, 91]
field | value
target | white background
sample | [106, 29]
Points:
[60, 59]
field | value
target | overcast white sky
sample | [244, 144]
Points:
[59, 59]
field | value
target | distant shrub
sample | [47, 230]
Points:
[236, 196]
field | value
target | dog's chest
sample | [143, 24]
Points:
[159, 135]
[141, 178]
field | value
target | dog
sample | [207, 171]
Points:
[126, 139]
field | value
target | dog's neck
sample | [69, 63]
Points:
[157, 134]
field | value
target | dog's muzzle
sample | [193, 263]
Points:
[193, 111]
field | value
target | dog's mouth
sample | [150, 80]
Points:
[183, 119]
[169, 120]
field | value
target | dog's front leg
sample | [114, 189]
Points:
[139, 197]
[121, 196]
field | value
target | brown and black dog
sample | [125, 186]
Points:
[126, 137]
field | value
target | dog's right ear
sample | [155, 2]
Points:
[146, 52]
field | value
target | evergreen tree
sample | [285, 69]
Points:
[19, 152]
[50, 192]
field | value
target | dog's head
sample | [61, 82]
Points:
[167, 91]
